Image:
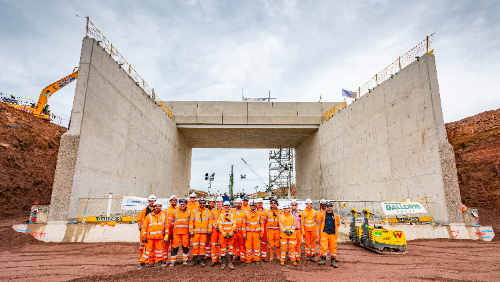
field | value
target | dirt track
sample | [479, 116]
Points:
[25, 259]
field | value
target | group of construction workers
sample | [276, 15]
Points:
[222, 234]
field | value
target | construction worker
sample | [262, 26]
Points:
[273, 229]
[212, 214]
[329, 234]
[200, 227]
[169, 213]
[263, 241]
[253, 229]
[214, 238]
[227, 227]
[310, 226]
[192, 204]
[299, 228]
[147, 210]
[287, 235]
[239, 243]
[245, 206]
[154, 228]
[319, 217]
[180, 221]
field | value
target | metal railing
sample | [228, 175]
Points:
[424, 47]
[331, 112]
[94, 32]
[26, 105]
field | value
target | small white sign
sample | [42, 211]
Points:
[400, 208]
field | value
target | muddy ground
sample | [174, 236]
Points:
[23, 258]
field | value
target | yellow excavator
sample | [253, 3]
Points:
[40, 109]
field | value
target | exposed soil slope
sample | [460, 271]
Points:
[28, 156]
[476, 141]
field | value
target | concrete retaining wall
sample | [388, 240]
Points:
[119, 140]
[390, 143]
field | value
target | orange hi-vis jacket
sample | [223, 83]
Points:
[263, 214]
[319, 216]
[213, 214]
[287, 222]
[245, 208]
[272, 221]
[200, 221]
[322, 223]
[253, 223]
[240, 218]
[142, 215]
[192, 205]
[180, 221]
[155, 226]
[169, 212]
[227, 223]
[309, 220]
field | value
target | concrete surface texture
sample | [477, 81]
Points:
[391, 143]
[119, 140]
[212, 124]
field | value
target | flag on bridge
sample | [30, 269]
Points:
[349, 94]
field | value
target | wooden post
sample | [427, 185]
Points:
[87, 30]
[427, 44]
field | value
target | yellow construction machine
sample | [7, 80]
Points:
[376, 238]
[41, 108]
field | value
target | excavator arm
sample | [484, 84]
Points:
[51, 89]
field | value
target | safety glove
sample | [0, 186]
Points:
[144, 240]
[165, 239]
[191, 234]
[230, 234]
[224, 234]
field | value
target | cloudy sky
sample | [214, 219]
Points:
[210, 50]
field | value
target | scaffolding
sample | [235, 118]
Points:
[281, 167]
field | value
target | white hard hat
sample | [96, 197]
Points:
[238, 200]
[308, 201]
[286, 206]
[253, 202]
[293, 201]
[157, 202]
[227, 203]
[211, 199]
[259, 200]
[152, 198]
[173, 197]
[322, 201]
[219, 199]
[192, 194]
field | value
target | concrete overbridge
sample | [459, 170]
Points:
[391, 142]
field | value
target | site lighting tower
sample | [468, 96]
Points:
[210, 178]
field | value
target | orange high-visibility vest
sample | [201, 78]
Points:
[319, 216]
[262, 214]
[239, 217]
[192, 205]
[200, 221]
[273, 222]
[252, 223]
[154, 226]
[287, 222]
[310, 220]
[169, 213]
[227, 223]
[337, 222]
[180, 221]
[245, 208]
[142, 215]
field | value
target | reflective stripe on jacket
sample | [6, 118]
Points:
[169, 213]
[273, 222]
[154, 226]
[239, 217]
[226, 222]
[180, 221]
[253, 223]
[310, 220]
[200, 221]
[287, 222]
[337, 222]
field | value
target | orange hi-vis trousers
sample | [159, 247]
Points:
[226, 244]
[152, 245]
[198, 242]
[178, 238]
[328, 241]
[214, 245]
[263, 244]
[142, 246]
[310, 244]
[298, 239]
[168, 245]
[273, 236]
[291, 242]
[239, 245]
[252, 245]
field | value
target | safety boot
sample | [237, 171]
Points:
[172, 263]
[142, 266]
[248, 264]
[202, 261]
[334, 258]
[222, 262]
[333, 263]
[213, 263]
[194, 261]
[160, 263]
[257, 263]
[282, 263]
[322, 260]
[185, 262]
[230, 265]
[308, 258]
[265, 259]
[294, 263]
